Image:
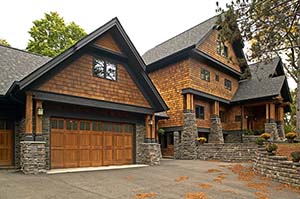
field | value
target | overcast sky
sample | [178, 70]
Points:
[147, 23]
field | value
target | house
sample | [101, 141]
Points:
[200, 78]
[92, 105]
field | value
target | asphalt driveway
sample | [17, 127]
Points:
[173, 179]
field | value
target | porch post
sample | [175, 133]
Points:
[216, 133]
[150, 128]
[270, 125]
[38, 120]
[280, 122]
[28, 117]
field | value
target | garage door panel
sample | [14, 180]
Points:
[81, 143]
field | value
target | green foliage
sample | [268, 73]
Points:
[3, 42]
[161, 131]
[271, 147]
[295, 156]
[50, 35]
[271, 27]
[290, 118]
[260, 141]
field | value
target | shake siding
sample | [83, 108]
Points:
[209, 46]
[77, 79]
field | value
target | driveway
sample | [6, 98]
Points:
[173, 179]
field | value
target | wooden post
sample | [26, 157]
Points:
[38, 118]
[190, 102]
[280, 113]
[272, 112]
[150, 128]
[153, 128]
[28, 115]
[216, 108]
[267, 113]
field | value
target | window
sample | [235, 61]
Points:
[200, 112]
[222, 49]
[205, 75]
[227, 84]
[57, 124]
[217, 77]
[105, 69]
[223, 116]
[238, 118]
[5, 125]
[71, 125]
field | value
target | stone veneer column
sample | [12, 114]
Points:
[216, 133]
[33, 157]
[271, 127]
[280, 129]
[176, 145]
[188, 136]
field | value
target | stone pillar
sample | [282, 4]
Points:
[188, 136]
[280, 129]
[176, 145]
[216, 133]
[271, 127]
[151, 154]
[33, 157]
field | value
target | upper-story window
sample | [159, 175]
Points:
[105, 69]
[222, 49]
[227, 84]
[205, 74]
[200, 112]
[217, 77]
[223, 116]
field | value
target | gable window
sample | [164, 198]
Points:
[238, 118]
[200, 112]
[222, 49]
[105, 69]
[217, 78]
[227, 84]
[205, 74]
[223, 116]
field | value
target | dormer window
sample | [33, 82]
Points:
[105, 69]
[222, 49]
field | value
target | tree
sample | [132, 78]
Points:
[271, 27]
[50, 35]
[290, 118]
[3, 42]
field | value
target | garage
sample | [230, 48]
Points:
[85, 143]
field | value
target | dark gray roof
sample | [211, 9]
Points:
[254, 88]
[182, 41]
[16, 64]
[264, 70]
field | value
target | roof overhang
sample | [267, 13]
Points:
[204, 95]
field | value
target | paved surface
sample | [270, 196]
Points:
[173, 179]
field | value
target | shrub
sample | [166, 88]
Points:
[259, 141]
[271, 147]
[291, 135]
[161, 131]
[295, 156]
[201, 139]
[266, 136]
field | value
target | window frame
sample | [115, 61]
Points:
[222, 49]
[105, 60]
[217, 77]
[222, 115]
[229, 85]
[204, 73]
[198, 114]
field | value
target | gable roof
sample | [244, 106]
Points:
[16, 64]
[186, 39]
[138, 69]
[264, 82]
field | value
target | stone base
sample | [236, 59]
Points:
[216, 133]
[177, 146]
[280, 129]
[188, 137]
[151, 154]
[33, 157]
[272, 129]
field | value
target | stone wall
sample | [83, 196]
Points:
[216, 134]
[33, 157]
[250, 138]
[272, 128]
[235, 152]
[139, 139]
[46, 139]
[19, 136]
[151, 154]
[188, 136]
[277, 168]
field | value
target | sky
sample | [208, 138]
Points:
[147, 23]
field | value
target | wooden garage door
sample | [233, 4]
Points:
[6, 143]
[83, 143]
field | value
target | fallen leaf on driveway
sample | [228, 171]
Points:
[198, 195]
[261, 195]
[181, 178]
[145, 195]
[219, 178]
[259, 186]
[213, 170]
[205, 186]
